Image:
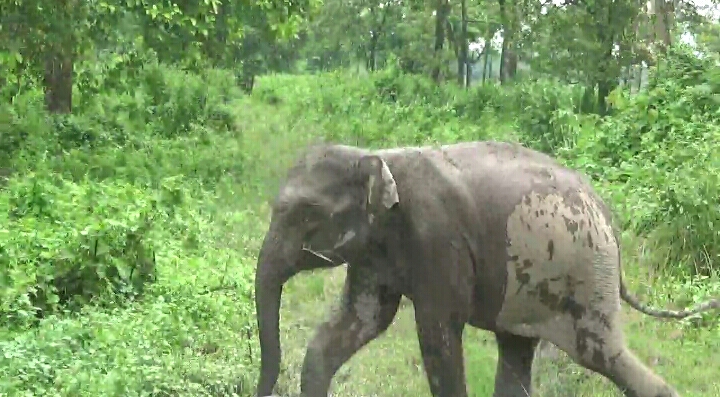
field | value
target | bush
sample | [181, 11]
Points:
[669, 168]
[544, 112]
[383, 109]
[124, 263]
[95, 188]
[181, 101]
[180, 344]
[67, 244]
[164, 103]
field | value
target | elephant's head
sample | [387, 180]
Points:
[322, 217]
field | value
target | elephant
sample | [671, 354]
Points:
[489, 234]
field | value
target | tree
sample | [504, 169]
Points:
[442, 11]
[45, 38]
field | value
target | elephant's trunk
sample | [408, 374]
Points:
[274, 269]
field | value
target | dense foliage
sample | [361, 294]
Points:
[135, 167]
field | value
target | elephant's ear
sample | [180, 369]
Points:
[381, 186]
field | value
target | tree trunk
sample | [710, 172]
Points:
[490, 68]
[486, 55]
[374, 39]
[588, 100]
[247, 77]
[503, 47]
[215, 49]
[463, 64]
[58, 81]
[442, 10]
[608, 72]
[604, 89]
[468, 75]
[503, 51]
[607, 80]
[454, 37]
[664, 13]
[460, 71]
[372, 53]
[511, 61]
[625, 76]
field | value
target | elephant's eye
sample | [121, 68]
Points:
[312, 215]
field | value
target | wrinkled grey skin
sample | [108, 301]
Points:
[489, 234]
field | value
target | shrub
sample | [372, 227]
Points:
[543, 110]
[180, 344]
[163, 102]
[673, 181]
[64, 244]
[116, 222]
[23, 125]
[658, 150]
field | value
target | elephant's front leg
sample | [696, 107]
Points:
[367, 309]
[441, 347]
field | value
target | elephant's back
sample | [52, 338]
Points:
[501, 175]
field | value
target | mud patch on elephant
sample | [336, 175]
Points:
[554, 267]
[551, 247]
[571, 225]
[367, 307]
[564, 303]
[523, 277]
[591, 347]
[448, 159]
[545, 173]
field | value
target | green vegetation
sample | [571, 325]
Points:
[134, 189]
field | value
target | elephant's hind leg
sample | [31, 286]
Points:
[366, 311]
[600, 346]
[514, 366]
[633, 377]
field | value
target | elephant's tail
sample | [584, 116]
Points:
[635, 303]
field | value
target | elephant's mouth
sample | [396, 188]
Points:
[321, 258]
[333, 256]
